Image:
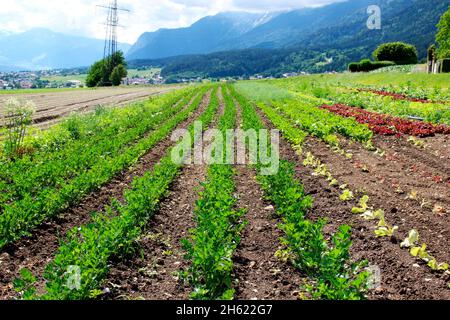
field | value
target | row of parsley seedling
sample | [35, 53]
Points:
[20, 217]
[72, 146]
[218, 227]
[87, 250]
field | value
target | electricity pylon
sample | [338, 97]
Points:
[112, 23]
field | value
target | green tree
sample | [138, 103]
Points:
[101, 71]
[398, 52]
[95, 74]
[118, 73]
[443, 36]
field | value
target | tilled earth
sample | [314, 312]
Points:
[35, 252]
[52, 107]
[402, 276]
[408, 182]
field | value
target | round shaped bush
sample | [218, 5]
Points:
[353, 67]
[398, 52]
[365, 65]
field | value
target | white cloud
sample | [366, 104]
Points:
[278, 5]
[83, 17]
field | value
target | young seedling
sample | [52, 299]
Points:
[369, 146]
[421, 252]
[434, 265]
[411, 240]
[363, 206]
[347, 195]
[416, 142]
[413, 195]
[333, 183]
[321, 170]
[385, 231]
[310, 161]
[380, 152]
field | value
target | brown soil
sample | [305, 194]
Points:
[433, 160]
[431, 163]
[154, 275]
[260, 274]
[402, 277]
[439, 146]
[35, 252]
[388, 181]
[52, 107]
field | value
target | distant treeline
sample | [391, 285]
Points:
[266, 62]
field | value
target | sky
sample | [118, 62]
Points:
[85, 18]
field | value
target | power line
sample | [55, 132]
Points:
[112, 23]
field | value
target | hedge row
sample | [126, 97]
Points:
[367, 65]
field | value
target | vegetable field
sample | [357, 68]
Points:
[358, 208]
[52, 106]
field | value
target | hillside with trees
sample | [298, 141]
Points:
[328, 44]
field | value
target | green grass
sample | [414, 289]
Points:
[410, 68]
[260, 91]
[424, 80]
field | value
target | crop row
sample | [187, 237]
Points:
[296, 135]
[388, 125]
[321, 123]
[429, 112]
[414, 94]
[328, 263]
[382, 229]
[88, 249]
[337, 93]
[216, 236]
[395, 96]
[76, 145]
[20, 217]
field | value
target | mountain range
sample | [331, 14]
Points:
[317, 39]
[39, 49]
[238, 30]
[209, 34]
[310, 39]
